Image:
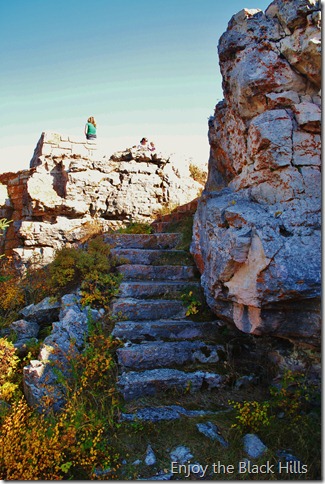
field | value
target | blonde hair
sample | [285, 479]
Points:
[91, 120]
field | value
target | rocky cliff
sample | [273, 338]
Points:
[257, 236]
[70, 192]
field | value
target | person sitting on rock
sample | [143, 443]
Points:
[151, 146]
[143, 144]
[90, 128]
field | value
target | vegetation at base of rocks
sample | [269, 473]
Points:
[88, 441]
[301, 441]
[75, 443]
[19, 290]
[293, 398]
[94, 266]
[251, 415]
[8, 364]
[12, 296]
[136, 228]
[91, 228]
[198, 174]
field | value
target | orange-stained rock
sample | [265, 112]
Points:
[256, 236]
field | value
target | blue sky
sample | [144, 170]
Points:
[142, 68]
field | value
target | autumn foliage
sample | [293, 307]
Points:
[73, 444]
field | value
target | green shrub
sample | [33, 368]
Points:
[93, 268]
[294, 396]
[191, 302]
[251, 416]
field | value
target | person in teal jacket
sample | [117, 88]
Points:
[90, 128]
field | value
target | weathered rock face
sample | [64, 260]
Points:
[257, 228]
[40, 378]
[70, 192]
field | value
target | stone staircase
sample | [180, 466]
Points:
[163, 349]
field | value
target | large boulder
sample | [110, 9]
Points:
[71, 192]
[257, 237]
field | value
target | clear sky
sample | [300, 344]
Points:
[140, 67]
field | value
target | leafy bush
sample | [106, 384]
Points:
[12, 294]
[36, 447]
[94, 268]
[251, 416]
[294, 396]
[19, 290]
[191, 302]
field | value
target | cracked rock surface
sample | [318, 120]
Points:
[257, 237]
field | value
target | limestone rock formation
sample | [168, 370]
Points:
[41, 379]
[70, 191]
[257, 228]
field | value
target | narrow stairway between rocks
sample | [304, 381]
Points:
[163, 349]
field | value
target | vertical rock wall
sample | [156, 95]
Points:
[257, 231]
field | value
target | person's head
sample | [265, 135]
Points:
[91, 120]
[152, 144]
[144, 141]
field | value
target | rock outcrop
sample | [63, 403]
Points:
[70, 192]
[257, 236]
[41, 377]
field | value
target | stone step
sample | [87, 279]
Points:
[137, 310]
[167, 412]
[146, 272]
[143, 241]
[162, 354]
[154, 256]
[152, 382]
[137, 331]
[155, 289]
